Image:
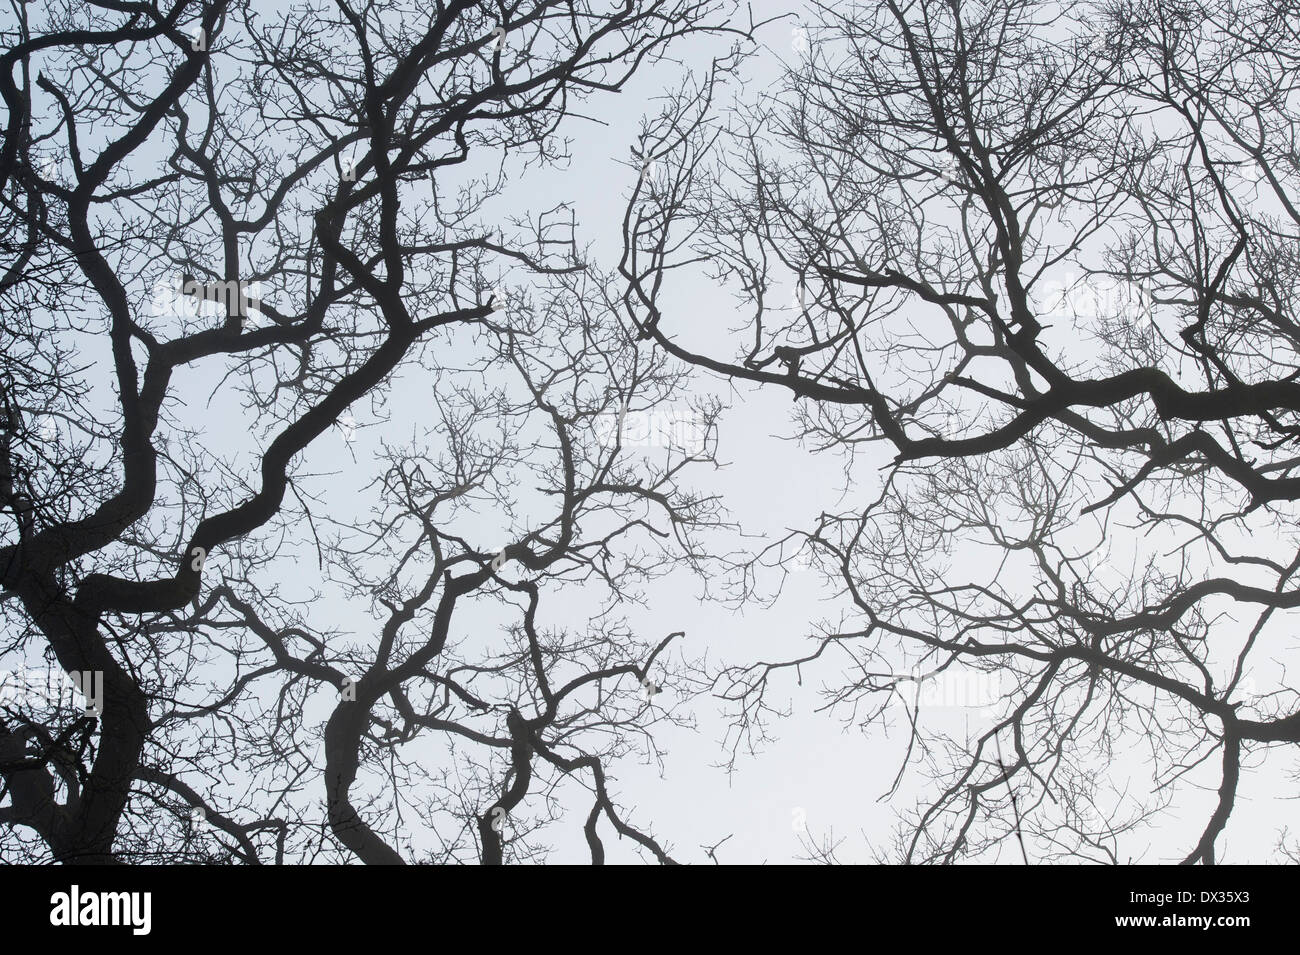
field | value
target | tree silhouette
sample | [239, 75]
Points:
[1040, 266]
[277, 215]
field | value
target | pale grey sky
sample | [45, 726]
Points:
[822, 775]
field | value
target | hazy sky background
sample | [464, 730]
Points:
[821, 769]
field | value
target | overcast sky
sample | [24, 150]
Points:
[823, 775]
